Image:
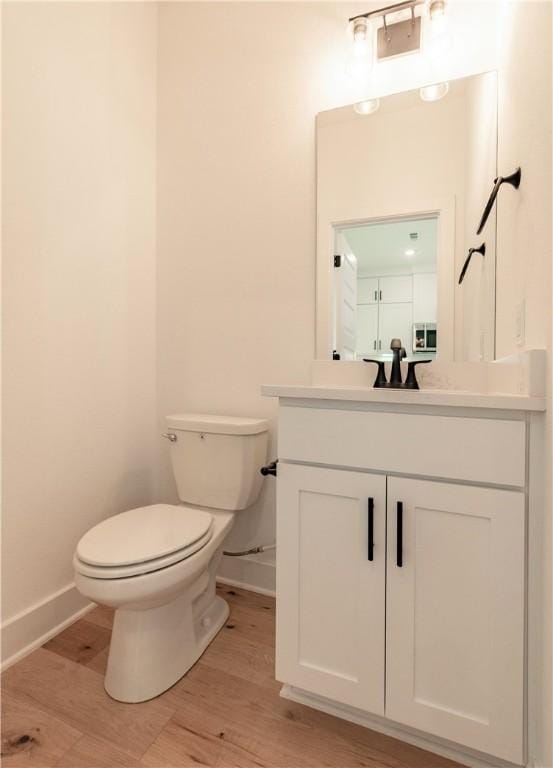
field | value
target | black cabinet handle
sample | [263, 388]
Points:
[370, 526]
[399, 535]
[513, 180]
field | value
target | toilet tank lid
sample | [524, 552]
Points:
[217, 425]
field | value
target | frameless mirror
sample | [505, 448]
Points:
[400, 193]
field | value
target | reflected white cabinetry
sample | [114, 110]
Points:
[384, 312]
[396, 289]
[367, 329]
[395, 321]
[425, 294]
[389, 290]
[403, 597]
[367, 290]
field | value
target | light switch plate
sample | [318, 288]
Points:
[520, 323]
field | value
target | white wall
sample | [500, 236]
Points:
[524, 274]
[78, 290]
[524, 217]
[239, 87]
[475, 305]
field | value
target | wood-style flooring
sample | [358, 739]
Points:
[225, 712]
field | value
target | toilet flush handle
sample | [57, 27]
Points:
[270, 469]
[170, 436]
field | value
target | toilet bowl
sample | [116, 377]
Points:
[157, 565]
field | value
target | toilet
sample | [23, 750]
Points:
[156, 565]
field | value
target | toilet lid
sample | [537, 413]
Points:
[143, 534]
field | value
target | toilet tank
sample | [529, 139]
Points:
[216, 459]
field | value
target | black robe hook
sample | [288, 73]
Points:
[513, 180]
[481, 249]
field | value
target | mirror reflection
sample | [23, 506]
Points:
[386, 288]
[400, 194]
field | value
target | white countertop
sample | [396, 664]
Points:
[451, 398]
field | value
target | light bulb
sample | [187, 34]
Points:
[366, 107]
[436, 9]
[360, 30]
[434, 92]
[409, 253]
[438, 36]
[359, 62]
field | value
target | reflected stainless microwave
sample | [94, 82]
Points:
[424, 337]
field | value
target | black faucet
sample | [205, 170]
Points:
[399, 353]
[396, 381]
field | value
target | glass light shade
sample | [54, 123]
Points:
[434, 92]
[366, 107]
[438, 39]
[360, 55]
[436, 8]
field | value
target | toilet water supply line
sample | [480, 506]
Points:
[270, 469]
[252, 551]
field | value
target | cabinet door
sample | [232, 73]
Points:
[367, 329]
[367, 290]
[395, 289]
[425, 297]
[395, 322]
[455, 613]
[330, 608]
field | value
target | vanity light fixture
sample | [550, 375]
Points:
[434, 92]
[401, 36]
[366, 107]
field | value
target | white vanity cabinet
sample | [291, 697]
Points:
[331, 531]
[401, 568]
[455, 613]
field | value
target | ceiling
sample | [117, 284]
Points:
[381, 246]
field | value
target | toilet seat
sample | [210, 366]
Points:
[142, 540]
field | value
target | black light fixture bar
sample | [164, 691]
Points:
[388, 9]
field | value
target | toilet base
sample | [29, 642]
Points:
[152, 649]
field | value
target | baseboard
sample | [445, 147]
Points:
[28, 630]
[247, 587]
[395, 730]
[248, 572]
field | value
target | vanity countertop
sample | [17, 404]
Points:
[437, 397]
